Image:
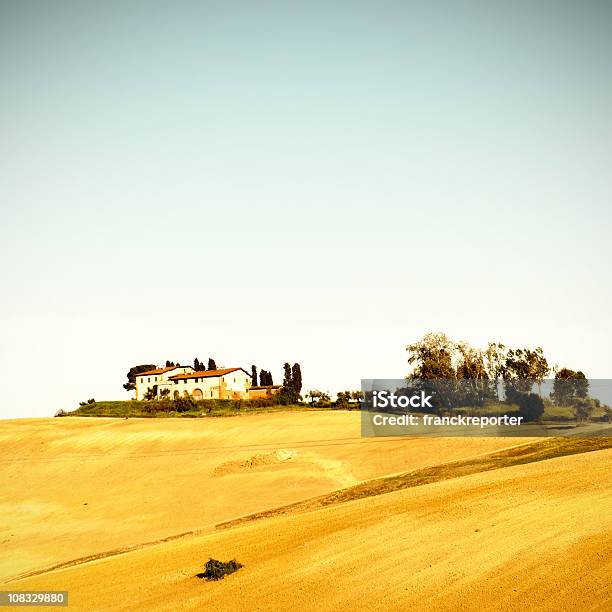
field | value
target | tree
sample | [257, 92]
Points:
[288, 394]
[253, 376]
[314, 395]
[432, 357]
[433, 370]
[296, 379]
[569, 386]
[524, 367]
[531, 405]
[474, 387]
[495, 364]
[287, 376]
[197, 366]
[583, 409]
[342, 399]
[265, 378]
[348, 399]
[211, 364]
[357, 396]
[317, 397]
[130, 385]
[151, 393]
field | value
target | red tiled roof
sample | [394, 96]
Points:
[207, 374]
[158, 371]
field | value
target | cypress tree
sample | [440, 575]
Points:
[296, 379]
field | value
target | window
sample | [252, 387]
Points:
[149, 379]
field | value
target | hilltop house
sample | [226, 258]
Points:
[184, 381]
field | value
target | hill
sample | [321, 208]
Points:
[533, 536]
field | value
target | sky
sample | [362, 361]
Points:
[298, 181]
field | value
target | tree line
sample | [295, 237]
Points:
[462, 375]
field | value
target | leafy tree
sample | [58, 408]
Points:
[475, 386]
[583, 409]
[197, 366]
[495, 364]
[254, 376]
[313, 395]
[151, 393]
[432, 357]
[348, 399]
[524, 367]
[130, 385]
[165, 392]
[357, 396]
[433, 370]
[569, 386]
[319, 398]
[211, 364]
[342, 399]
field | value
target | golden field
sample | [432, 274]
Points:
[124, 513]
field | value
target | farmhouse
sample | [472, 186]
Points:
[183, 381]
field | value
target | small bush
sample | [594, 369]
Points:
[184, 404]
[216, 570]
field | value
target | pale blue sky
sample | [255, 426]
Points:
[311, 181]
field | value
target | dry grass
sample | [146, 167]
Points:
[527, 453]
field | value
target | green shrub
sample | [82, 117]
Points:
[216, 570]
[531, 405]
[184, 404]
